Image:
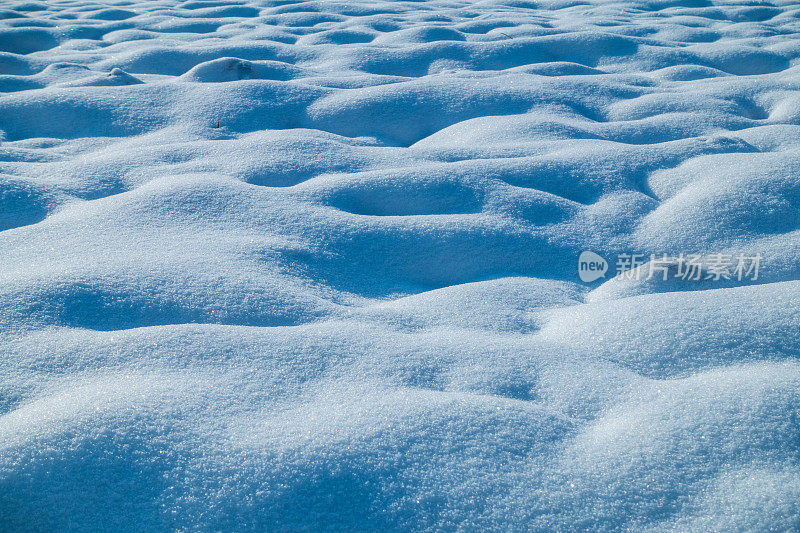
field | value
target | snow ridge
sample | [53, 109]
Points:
[300, 265]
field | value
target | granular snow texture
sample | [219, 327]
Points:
[297, 266]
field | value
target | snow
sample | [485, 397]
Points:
[279, 265]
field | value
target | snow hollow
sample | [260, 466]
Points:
[277, 265]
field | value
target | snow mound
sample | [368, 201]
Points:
[305, 265]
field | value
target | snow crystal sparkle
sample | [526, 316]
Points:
[281, 265]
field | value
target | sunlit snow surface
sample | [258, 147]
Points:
[275, 265]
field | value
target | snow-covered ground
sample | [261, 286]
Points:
[276, 265]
